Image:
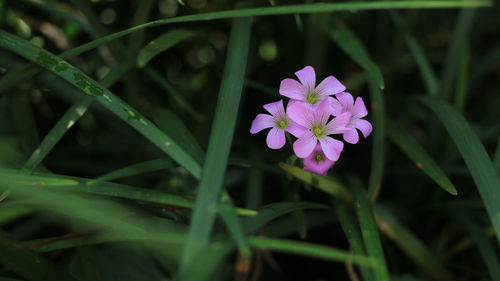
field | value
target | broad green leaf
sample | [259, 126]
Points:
[420, 157]
[219, 143]
[424, 66]
[352, 232]
[162, 43]
[323, 183]
[475, 156]
[28, 264]
[369, 231]
[353, 47]
[411, 245]
[102, 95]
[310, 250]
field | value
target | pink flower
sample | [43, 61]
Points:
[278, 121]
[345, 103]
[317, 163]
[306, 90]
[317, 128]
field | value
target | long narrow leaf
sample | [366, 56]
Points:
[219, 144]
[162, 43]
[420, 157]
[103, 96]
[475, 156]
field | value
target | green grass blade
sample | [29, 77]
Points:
[460, 38]
[273, 211]
[103, 96]
[379, 146]
[475, 156]
[309, 250]
[162, 43]
[143, 10]
[353, 47]
[233, 224]
[323, 183]
[219, 143]
[496, 159]
[137, 169]
[420, 157]
[369, 231]
[411, 245]
[348, 223]
[173, 126]
[71, 117]
[9, 212]
[97, 187]
[463, 79]
[266, 11]
[486, 249]
[28, 264]
[424, 66]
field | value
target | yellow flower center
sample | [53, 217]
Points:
[317, 131]
[282, 124]
[312, 98]
[319, 157]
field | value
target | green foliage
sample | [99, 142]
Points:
[125, 151]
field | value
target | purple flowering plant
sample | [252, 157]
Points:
[314, 115]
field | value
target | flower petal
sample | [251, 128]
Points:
[261, 122]
[296, 129]
[307, 77]
[330, 86]
[301, 113]
[305, 145]
[338, 124]
[293, 89]
[275, 108]
[359, 109]
[331, 147]
[319, 168]
[276, 138]
[364, 126]
[346, 100]
[351, 136]
[322, 112]
[335, 107]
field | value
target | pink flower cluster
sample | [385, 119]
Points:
[308, 118]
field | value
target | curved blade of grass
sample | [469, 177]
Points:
[323, 183]
[420, 157]
[379, 135]
[486, 249]
[219, 143]
[173, 126]
[475, 156]
[273, 211]
[141, 15]
[28, 264]
[137, 169]
[353, 47]
[463, 79]
[162, 43]
[428, 74]
[233, 225]
[75, 184]
[460, 37]
[9, 212]
[310, 250]
[266, 11]
[103, 96]
[348, 223]
[369, 231]
[71, 117]
[411, 245]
